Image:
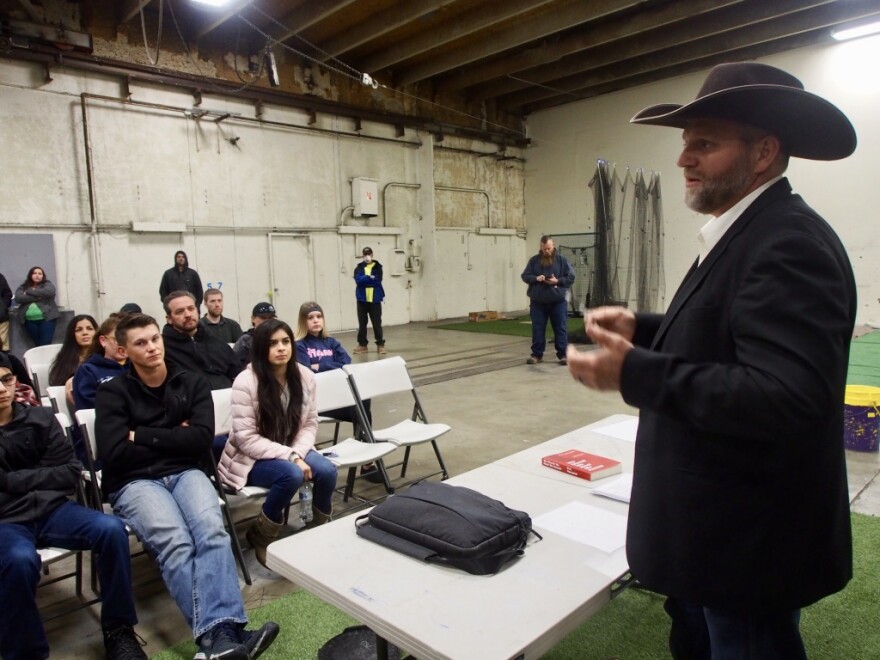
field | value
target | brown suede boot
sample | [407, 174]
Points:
[319, 517]
[261, 534]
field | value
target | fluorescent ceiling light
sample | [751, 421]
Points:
[844, 32]
[213, 3]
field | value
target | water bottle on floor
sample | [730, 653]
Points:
[305, 502]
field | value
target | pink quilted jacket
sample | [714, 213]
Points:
[246, 446]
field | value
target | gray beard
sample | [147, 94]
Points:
[721, 191]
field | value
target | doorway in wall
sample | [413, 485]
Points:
[291, 274]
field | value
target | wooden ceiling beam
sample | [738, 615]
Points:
[382, 23]
[130, 8]
[684, 32]
[820, 18]
[562, 17]
[479, 18]
[590, 37]
[651, 74]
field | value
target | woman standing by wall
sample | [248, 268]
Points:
[274, 424]
[39, 312]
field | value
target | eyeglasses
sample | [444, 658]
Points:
[8, 380]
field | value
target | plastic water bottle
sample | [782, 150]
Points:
[305, 502]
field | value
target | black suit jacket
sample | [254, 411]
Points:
[739, 495]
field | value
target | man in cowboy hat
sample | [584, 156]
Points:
[739, 510]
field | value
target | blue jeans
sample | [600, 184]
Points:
[178, 519]
[705, 633]
[73, 527]
[558, 315]
[40, 332]
[283, 479]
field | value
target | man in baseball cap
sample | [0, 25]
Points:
[263, 311]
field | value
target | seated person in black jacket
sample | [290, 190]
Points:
[38, 474]
[189, 346]
[153, 427]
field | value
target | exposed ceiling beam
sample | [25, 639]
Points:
[212, 19]
[130, 9]
[651, 74]
[467, 23]
[802, 22]
[684, 32]
[589, 37]
[383, 22]
[311, 13]
[561, 18]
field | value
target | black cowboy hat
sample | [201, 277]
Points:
[769, 98]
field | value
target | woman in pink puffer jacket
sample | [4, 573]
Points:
[274, 424]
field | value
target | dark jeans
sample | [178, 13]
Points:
[705, 633]
[374, 311]
[40, 332]
[283, 479]
[73, 527]
[557, 313]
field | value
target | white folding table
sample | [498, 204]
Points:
[523, 611]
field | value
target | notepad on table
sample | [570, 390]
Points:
[618, 489]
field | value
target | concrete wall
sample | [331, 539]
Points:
[264, 204]
[569, 140]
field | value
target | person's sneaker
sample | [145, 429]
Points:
[121, 643]
[534, 360]
[381, 349]
[360, 349]
[222, 642]
[563, 361]
[257, 641]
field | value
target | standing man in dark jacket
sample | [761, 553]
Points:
[369, 293]
[153, 427]
[38, 474]
[5, 304]
[181, 278]
[189, 346]
[740, 510]
[549, 276]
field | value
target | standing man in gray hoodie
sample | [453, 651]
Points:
[181, 278]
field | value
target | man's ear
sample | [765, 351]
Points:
[766, 149]
[121, 352]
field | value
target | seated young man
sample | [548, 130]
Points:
[38, 473]
[154, 427]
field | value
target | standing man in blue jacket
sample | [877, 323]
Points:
[549, 276]
[369, 294]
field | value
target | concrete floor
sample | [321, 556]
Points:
[477, 383]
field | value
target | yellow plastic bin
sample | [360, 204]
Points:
[861, 418]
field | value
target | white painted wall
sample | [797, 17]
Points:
[262, 204]
[569, 140]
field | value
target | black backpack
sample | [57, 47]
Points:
[451, 525]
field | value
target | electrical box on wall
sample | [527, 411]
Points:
[365, 197]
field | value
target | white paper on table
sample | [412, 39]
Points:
[585, 524]
[619, 489]
[625, 430]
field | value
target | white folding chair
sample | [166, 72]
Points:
[371, 380]
[38, 361]
[57, 395]
[223, 426]
[332, 391]
[40, 379]
[52, 555]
